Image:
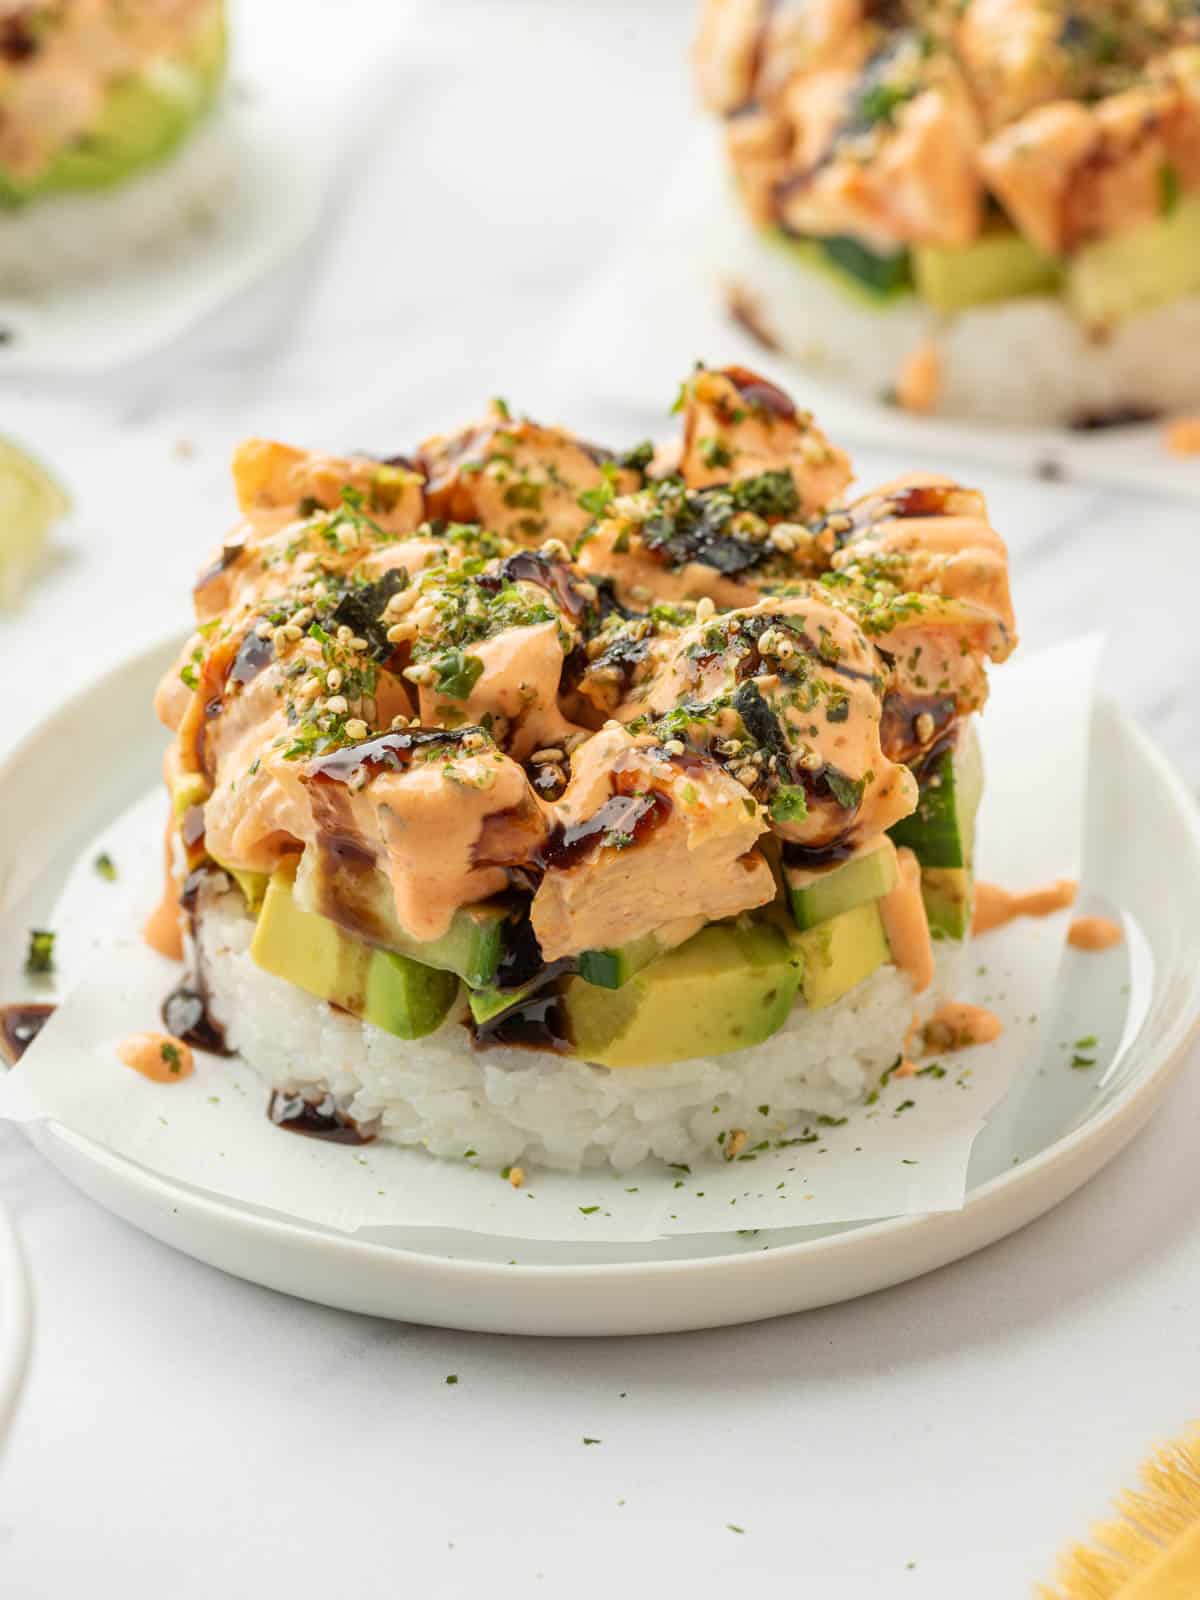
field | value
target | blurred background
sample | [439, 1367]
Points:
[491, 163]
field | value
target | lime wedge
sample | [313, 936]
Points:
[30, 502]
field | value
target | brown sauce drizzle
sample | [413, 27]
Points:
[898, 728]
[390, 752]
[536, 1023]
[759, 394]
[20, 1025]
[229, 554]
[632, 816]
[254, 655]
[318, 1119]
[921, 500]
[530, 566]
[186, 1015]
[1114, 417]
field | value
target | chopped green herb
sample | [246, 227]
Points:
[40, 956]
[586, 1211]
[452, 1377]
[789, 804]
[170, 1054]
[1082, 1063]
[457, 673]
[106, 867]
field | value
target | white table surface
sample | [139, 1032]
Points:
[184, 1434]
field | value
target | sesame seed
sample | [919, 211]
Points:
[400, 631]
[400, 603]
[264, 630]
[337, 704]
[555, 550]
[704, 608]
[923, 727]
[674, 747]
[303, 617]
[421, 674]
[356, 728]
[540, 757]
[783, 542]
[291, 632]
[358, 644]
[333, 679]
[344, 635]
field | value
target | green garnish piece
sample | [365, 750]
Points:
[457, 673]
[170, 1054]
[106, 866]
[40, 956]
[789, 804]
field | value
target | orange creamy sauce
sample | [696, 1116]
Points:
[161, 930]
[158, 1056]
[957, 1025]
[906, 925]
[1094, 933]
[994, 906]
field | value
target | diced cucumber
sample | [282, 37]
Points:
[817, 894]
[860, 272]
[1142, 267]
[946, 892]
[941, 831]
[882, 275]
[611, 968]
[998, 266]
[840, 953]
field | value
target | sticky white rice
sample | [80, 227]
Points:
[522, 1107]
[63, 238]
[1026, 361]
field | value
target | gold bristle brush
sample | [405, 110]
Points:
[1151, 1551]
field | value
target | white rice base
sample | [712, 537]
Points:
[532, 1108]
[62, 238]
[1026, 360]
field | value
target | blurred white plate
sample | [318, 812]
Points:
[1054, 1131]
[280, 131]
[15, 1321]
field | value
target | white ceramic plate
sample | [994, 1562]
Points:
[1053, 1132]
[15, 1321]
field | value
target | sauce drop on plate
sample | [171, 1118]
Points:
[1094, 933]
[995, 907]
[956, 1026]
[157, 1056]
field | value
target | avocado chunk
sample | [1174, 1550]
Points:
[471, 947]
[998, 266]
[947, 893]
[1138, 268]
[837, 954]
[941, 831]
[819, 893]
[306, 949]
[145, 116]
[405, 998]
[724, 989]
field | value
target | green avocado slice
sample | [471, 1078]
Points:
[726, 988]
[391, 991]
